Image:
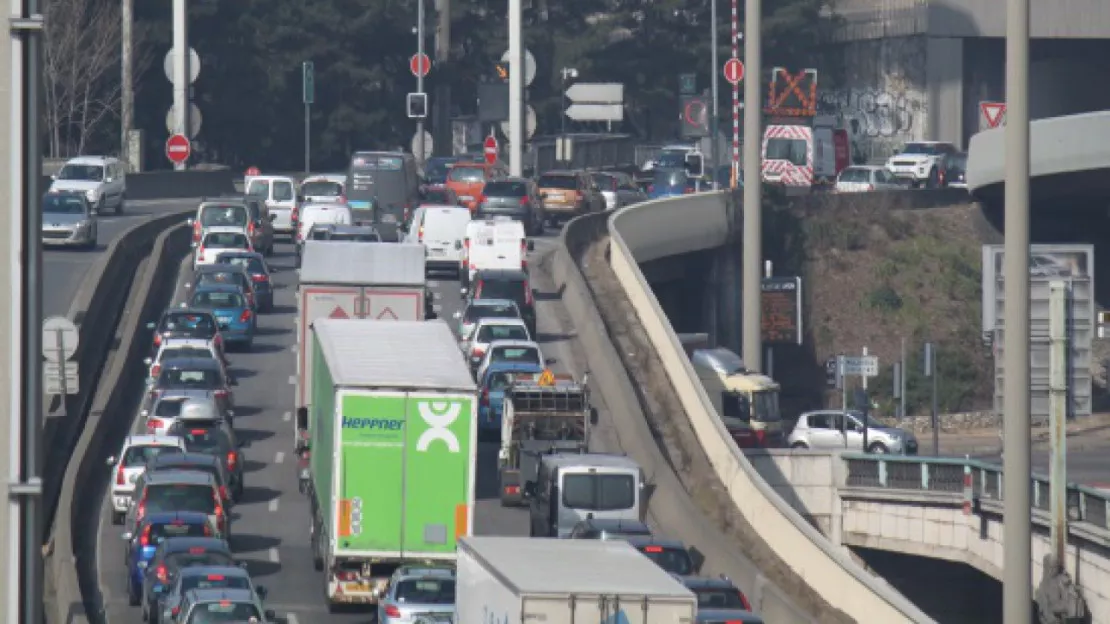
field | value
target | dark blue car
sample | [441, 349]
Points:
[149, 534]
[233, 312]
[171, 556]
[498, 377]
[259, 272]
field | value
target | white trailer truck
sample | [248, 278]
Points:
[513, 580]
[392, 444]
[352, 280]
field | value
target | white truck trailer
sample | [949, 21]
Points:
[352, 280]
[513, 580]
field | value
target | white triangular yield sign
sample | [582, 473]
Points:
[993, 112]
[387, 314]
[339, 313]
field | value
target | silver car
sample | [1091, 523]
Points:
[828, 430]
[419, 592]
[484, 308]
[619, 189]
[68, 219]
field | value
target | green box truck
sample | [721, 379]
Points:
[393, 438]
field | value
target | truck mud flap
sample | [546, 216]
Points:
[511, 490]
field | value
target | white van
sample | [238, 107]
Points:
[497, 243]
[441, 229]
[280, 195]
[101, 179]
[319, 214]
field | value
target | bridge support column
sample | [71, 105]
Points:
[726, 274]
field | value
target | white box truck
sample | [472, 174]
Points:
[513, 580]
[392, 446]
[352, 280]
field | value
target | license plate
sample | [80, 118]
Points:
[356, 587]
[466, 198]
[435, 252]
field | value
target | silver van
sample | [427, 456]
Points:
[572, 487]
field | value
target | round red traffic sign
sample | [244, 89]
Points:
[253, 171]
[178, 148]
[734, 70]
[420, 65]
[490, 149]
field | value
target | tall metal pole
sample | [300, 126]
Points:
[308, 138]
[420, 77]
[1058, 414]
[127, 90]
[736, 36]
[516, 89]
[1017, 572]
[441, 120]
[715, 72]
[13, 329]
[180, 71]
[753, 189]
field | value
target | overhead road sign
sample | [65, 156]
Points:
[596, 101]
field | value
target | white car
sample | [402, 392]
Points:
[511, 351]
[320, 214]
[280, 195]
[829, 430]
[165, 410]
[101, 178]
[488, 330]
[479, 309]
[921, 162]
[216, 240]
[220, 213]
[131, 462]
[866, 178]
[182, 348]
[330, 187]
[441, 229]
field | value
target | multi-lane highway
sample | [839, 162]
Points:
[271, 527]
[64, 269]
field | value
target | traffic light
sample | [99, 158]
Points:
[695, 165]
[502, 70]
[418, 105]
[693, 114]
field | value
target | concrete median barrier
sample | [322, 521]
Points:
[174, 184]
[151, 253]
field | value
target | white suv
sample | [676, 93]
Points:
[102, 179]
[921, 162]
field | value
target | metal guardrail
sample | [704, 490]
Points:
[971, 478]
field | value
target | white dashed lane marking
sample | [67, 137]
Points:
[287, 416]
[279, 457]
[292, 380]
[274, 505]
[274, 557]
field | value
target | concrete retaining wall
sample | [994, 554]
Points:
[807, 481]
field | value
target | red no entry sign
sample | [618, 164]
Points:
[178, 148]
[420, 65]
[734, 70]
[490, 149]
[253, 171]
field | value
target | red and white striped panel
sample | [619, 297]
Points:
[788, 132]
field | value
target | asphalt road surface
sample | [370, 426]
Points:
[63, 269]
[1088, 467]
[271, 524]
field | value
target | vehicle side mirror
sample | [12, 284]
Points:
[593, 416]
[126, 536]
[151, 325]
[111, 461]
[261, 591]
[530, 489]
[463, 291]
[190, 221]
[531, 245]
[54, 176]
[148, 361]
[193, 245]
[457, 315]
[187, 285]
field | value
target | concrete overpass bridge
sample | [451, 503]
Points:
[647, 238]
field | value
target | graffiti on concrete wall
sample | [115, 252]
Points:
[878, 121]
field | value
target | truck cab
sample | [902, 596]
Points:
[747, 402]
[571, 487]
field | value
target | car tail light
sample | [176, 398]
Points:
[216, 577]
[294, 213]
[392, 611]
[219, 511]
[144, 539]
[870, 187]
[155, 370]
[485, 397]
[651, 188]
[222, 393]
[528, 299]
[141, 510]
[207, 530]
[346, 575]
[154, 424]
[760, 437]
[232, 460]
[176, 611]
[524, 201]
[245, 316]
[200, 252]
[250, 229]
[688, 191]
[196, 231]
[218, 340]
[653, 549]
[120, 478]
[343, 199]
[420, 234]
[477, 352]
[223, 492]
[162, 574]
[744, 600]
[157, 339]
[258, 279]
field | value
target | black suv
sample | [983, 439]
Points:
[509, 284]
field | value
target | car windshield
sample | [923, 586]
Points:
[528, 355]
[513, 290]
[223, 611]
[671, 158]
[473, 313]
[719, 598]
[221, 277]
[186, 352]
[189, 377]
[198, 324]
[169, 408]
[213, 581]
[669, 178]
[86, 173]
[923, 149]
[161, 531]
[322, 188]
[259, 188]
[436, 169]
[190, 465]
[790, 150]
[853, 174]
[489, 333]
[180, 497]
[253, 264]
[425, 591]
[217, 299]
[505, 189]
[467, 175]
[439, 196]
[562, 182]
[203, 440]
[599, 492]
[225, 240]
[223, 216]
[63, 204]
[140, 455]
[673, 560]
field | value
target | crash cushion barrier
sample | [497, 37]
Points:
[95, 309]
[71, 565]
[174, 184]
[698, 221]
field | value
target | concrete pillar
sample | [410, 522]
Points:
[944, 74]
[711, 295]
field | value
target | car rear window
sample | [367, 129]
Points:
[181, 321]
[221, 277]
[140, 455]
[427, 591]
[225, 240]
[855, 175]
[505, 189]
[516, 354]
[223, 612]
[254, 265]
[564, 182]
[514, 290]
[214, 581]
[467, 175]
[223, 215]
[473, 313]
[169, 408]
[216, 299]
[606, 182]
[187, 352]
[161, 531]
[489, 333]
[200, 557]
[202, 439]
[719, 598]
[673, 560]
[321, 188]
[189, 377]
[180, 497]
[210, 469]
[439, 196]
